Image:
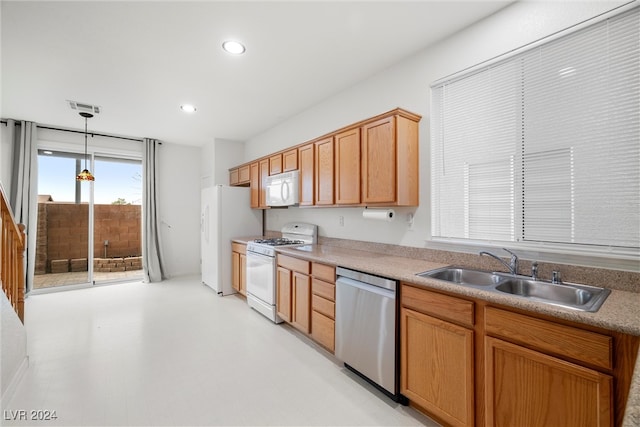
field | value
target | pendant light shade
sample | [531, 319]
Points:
[85, 175]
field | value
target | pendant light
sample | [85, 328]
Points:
[85, 175]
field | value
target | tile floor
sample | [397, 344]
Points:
[50, 280]
[176, 354]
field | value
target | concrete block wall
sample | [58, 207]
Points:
[63, 234]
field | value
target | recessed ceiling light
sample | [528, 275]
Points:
[188, 108]
[234, 47]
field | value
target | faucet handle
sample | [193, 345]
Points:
[555, 277]
[534, 270]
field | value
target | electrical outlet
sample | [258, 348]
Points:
[341, 220]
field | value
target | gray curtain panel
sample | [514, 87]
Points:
[152, 264]
[24, 187]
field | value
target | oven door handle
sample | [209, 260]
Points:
[260, 256]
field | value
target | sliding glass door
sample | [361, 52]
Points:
[62, 242]
[117, 228]
[88, 232]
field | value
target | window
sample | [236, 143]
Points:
[543, 147]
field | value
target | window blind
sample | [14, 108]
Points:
[544, 145]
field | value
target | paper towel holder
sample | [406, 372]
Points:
[384, 214]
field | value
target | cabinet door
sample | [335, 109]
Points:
[324, 171]
[347, 146]
[243, 274]
[290, 160]
[301, 302]
[264, 173]
[235, 271]
[244, 174]
[528, 388]
[283, 293]
[437, 367]
[233, 177]
[254, 183]
[307, 179]
[275, 164]
[379, 165]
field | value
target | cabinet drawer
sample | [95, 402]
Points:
[439, 305]
[323, 330]
[323, 306]
[294, 264]
[238, 247]
[323, 289]
[562, 340]
[324, 272]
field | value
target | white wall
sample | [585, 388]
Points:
[13, 354]
[179, 208]
[406, 85]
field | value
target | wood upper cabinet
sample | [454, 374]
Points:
[390, 161]
[347, 167]
[263, 166]
[307, 177]
[254, 173]
[529, 388]
[240, 176]
[323, 171]
[233, 177]
[290, 160]
[437, 365]
[275, 164]
[244, 174]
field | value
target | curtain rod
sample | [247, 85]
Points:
[82, 132]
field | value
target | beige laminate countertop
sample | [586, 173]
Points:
[620, 312]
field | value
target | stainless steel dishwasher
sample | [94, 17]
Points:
[366, 334]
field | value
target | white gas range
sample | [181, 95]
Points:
[262, 267]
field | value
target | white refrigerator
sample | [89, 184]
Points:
[225, 214]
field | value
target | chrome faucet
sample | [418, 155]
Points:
[513, 262]
[534, 270]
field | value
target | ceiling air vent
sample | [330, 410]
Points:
[82, 107]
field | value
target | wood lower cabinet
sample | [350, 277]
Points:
[468, 362]
[293, 292]
[301, 298]
[283, 293]
[437, 366]
[239, 268]
[306, 298]
[323, 306]
[529, 388]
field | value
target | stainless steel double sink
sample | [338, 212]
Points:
[568, 295]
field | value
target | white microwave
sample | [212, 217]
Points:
[282, 189]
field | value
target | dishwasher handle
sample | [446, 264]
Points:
[387, 293]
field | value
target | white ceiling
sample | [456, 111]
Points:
[141, 60]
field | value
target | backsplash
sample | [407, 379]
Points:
[612, 279]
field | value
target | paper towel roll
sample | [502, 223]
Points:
[379, 214]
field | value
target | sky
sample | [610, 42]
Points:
[114, 180]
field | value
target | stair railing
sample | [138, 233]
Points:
[12, 247]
